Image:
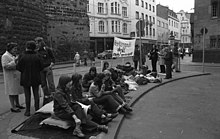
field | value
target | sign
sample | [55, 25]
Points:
[204, 30]
[142, 23]
[123, 48]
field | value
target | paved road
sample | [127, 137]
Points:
[185, 109]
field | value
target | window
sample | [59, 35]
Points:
[137, 15]
[150, 31]
[149, 7]
[115, 8]
[142, 3]
[101, 8]
[101, 26]
[113, 26]
[153, 9]
[124, 11]
[213, 41]
[214, 9]
[116, 27]
[87, 7]
[153, 32]
[125, 28]
[142, 16]
[158, 23]
[146, 18]
[146, 5]
[146, 30]
[137, 2]
[153, 20]
[150, 19]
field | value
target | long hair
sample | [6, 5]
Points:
[75, 80]
[104, 65]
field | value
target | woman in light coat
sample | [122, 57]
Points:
[162, 60]
[11, 77]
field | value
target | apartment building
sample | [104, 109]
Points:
[207, 15]
[162, 27]
[185, 29]
[108, 19]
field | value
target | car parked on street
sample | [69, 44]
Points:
[107, 54]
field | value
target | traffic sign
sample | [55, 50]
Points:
[142, 23]
[204, 30]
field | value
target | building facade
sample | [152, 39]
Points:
[118, 18]
[108, 19]
[185, 29]
[162, 27]
[207, 15]
[67, 27]
[173, 21]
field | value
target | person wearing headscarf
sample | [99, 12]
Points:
[66, 109]
[98, 114]
[11, 77]
[30, 65]
[88, 78]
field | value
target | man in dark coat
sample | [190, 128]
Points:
[168, 62]
[154, 58]
[30, 65]
[47, 79]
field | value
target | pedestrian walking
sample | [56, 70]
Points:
[92, 58]
[77, 59]
[47, 79]
[12, 77]
[136, 57]
[85, 57]
[154, 58]
[30, 65]
[168, 61]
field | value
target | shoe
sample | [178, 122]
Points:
[103, 128]
[15, 110]
[27, 114]
[20, 107]
[128, 108]
[77, 132]
[112, 115]
[123, 111]
[105, 121]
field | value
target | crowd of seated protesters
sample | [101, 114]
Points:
[105, 97]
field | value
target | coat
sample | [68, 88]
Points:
[161, 57]
[30, 65]
[11, 75]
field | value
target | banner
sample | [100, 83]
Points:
[123, 48]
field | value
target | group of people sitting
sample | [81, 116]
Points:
[105, 99]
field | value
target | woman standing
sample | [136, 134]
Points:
[154, 58]
[30, 65]
[12, 77]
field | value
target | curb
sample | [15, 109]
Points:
[133, 101]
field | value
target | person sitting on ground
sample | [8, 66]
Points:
[114, 90]
[105, 66]
[88, 79]
[71, 111]
[96, 90]
[98, 114]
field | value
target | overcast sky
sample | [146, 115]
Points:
[177, 5]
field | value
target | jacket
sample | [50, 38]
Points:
[30, 65]
[47, 56]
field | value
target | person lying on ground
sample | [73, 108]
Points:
[72, 111]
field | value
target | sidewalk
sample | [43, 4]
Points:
[10, 120]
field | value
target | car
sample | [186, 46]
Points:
[107, 54]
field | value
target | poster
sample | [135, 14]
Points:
[123, 48]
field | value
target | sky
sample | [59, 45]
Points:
[177, 5]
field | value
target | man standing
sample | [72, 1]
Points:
[176, 58]
[47, 81]
[168, 61]
[154, 58]
[85, 56]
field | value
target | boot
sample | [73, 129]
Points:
[103, 128]
[77, 132]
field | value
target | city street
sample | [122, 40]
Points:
[173, 100]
